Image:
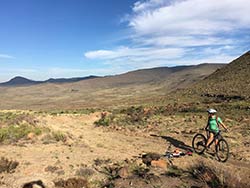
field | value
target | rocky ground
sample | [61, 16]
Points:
[81, 154]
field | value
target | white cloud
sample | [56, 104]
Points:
[126, 52]
[5, 56]
[191, 17]
[123, 59]
[219, 58]
[182, 41]
[175, 32]
[190, 23]
[142, 5]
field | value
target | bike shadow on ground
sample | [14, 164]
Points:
[176, 143]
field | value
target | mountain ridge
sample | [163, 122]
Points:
[155, 73]
[22, 81]
[131, 88]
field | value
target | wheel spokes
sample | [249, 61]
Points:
[199, 143]
[222, 151]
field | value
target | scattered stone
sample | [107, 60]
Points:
[148, 157]
[84, 172]
[31, 136]
[34, 184]
[247, 143]
[159, 163]
[51, 169]
[98, 162]
[60, 172]
[124, 172]
[72, 183]
[2, 183]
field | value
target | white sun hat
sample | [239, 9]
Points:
[211, 111]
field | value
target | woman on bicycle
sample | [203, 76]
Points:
[213, 126]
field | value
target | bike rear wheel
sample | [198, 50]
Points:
[199, 143]
[222, 150]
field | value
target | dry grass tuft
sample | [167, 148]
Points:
[7, 165]
[216, 176]
[72, 183]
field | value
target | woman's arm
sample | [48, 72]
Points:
[223, 125]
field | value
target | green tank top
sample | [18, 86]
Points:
[212, 124]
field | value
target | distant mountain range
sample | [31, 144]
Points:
[21, 81]
[135, 87]
[222, 82]
[133, 77]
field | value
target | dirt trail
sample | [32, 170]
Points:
[85, 144]
[105, 143]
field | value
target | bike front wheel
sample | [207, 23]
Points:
[199, 143]
[222, 150]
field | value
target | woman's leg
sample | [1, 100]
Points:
[210, 139]
[216, 136]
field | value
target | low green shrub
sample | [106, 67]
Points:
[105, 120]
[139, 170]
[14, 133]
[77, 111]
[16, 118]
[59, 136]
[174, 171]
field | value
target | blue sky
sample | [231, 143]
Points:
[40, 39]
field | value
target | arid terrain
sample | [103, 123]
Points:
[112, 132]
[136, 87]
[124, 94]
[70, 145]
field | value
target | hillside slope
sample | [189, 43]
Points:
[166, 77]
[232, 80]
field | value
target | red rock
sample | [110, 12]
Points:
[159, 163]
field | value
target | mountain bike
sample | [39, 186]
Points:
[221, 149]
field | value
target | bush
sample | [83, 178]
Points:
[77, 111]
[135, 115]
[105, 120]
[140, 171]
[174, 171]
[215, 177]
[59, 136]
[17, 118]
[72, 183]
[205, 174]
[14, 133]
[7, 165]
